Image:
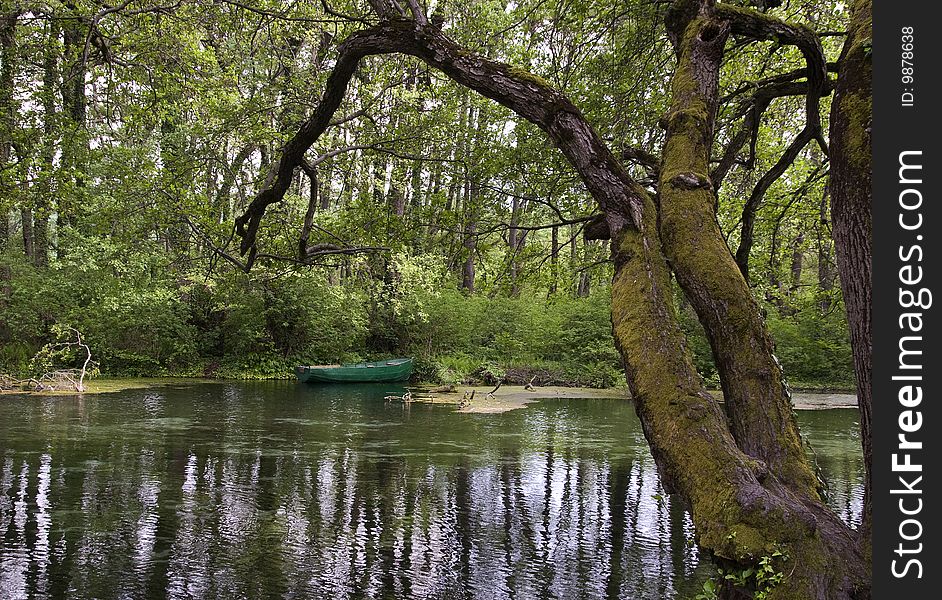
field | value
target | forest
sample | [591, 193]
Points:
[548, 191]
[450, 230]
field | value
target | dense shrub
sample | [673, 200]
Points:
[141, 321]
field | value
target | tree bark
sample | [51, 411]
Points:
[798, 257]
[222, 201]
[26, 227]
[44, 200]
[851, 220]
[74, 104]
[584, 283]
[470, 237]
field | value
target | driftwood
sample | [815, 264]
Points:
[57, 379]
[53, 381]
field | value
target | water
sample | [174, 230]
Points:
[261, 490]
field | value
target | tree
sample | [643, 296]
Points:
[850, 188]
[751, 490]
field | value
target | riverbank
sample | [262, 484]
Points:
[107, 385]
[504, 399]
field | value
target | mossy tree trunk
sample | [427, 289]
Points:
[749, 488]
[851, 220]
[756, 399]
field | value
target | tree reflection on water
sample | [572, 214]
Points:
[272, 489]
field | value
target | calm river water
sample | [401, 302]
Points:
[263, 490]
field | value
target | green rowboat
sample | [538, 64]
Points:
[396, 369]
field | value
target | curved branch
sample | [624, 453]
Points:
[620, 197]
[649, 162]
[758, 194]
[760, 26]
[753, 108]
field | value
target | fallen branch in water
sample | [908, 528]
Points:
[53, 380]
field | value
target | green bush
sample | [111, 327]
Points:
[142, 318]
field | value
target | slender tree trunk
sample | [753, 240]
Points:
[26, 226]
[398, 201]
[554, 262]
[573, 261]
[851, 115]
[7, 105]
[41, 239]
[74, 104]
[44, 200]
[584, 286]
[415, 192]
[233, 169]
[470, 238]
[798, 256]
[775, 282]
[825, 272]
[324, 188]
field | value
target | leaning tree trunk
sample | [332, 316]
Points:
[743, 509]
[851, 221]
[756, 398]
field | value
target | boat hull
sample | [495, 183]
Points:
[399, 369]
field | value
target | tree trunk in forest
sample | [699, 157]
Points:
[415, 191]
[44, 200]
[74, 104]
[554, 262]
[323, 191]
[26, 227]
[40, 239]
[798, 256]
[7, 108]
[222, 200]
[747, 500]
[825, 273]
[573, 258]
[470, 238]
[584, 283]
[397, 200]
[851, 220]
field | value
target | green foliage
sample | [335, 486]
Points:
[710, 591]
[813, 347]
[759, 580]
[138, 190]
